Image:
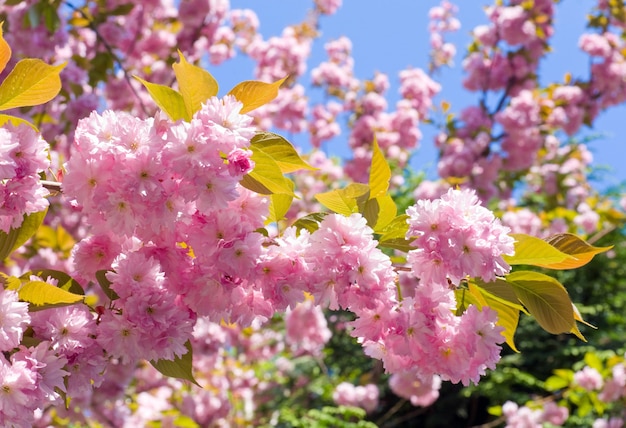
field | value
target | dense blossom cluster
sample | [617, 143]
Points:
[23, 156]
[179, 255]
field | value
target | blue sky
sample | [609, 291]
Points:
[392, 35]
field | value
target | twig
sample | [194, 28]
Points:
[109, 49]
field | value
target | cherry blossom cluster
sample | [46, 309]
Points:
[522, 416]
[364, 396]
[23, 156]
[456, 237]
[442, 20]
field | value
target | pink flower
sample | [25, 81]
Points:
[18, 394]
[364, 396]
[239, 162]
[589, 378]
[14, 319]
[307, 329]
[420, 391]
[456, 237]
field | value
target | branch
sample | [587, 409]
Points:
[53, 186]
[109, 49]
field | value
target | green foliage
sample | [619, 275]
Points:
[13, 240]
[179, 367]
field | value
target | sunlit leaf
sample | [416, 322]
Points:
[380, 173]
[545, 298]
[344, 201]
[310, 222]
[15, 121]
[179, 368]
[168, 100]
[64, 281]
[534, 251]
[5, 50]
[508, 314]
[268, 174]
[13, 240]
[31, 82]
[387, 212]
[500, 290]
[254, 94]
[279, 205]
[40, 293]
[281, 150]
[196, 85]
[253, 184]
[570, 244]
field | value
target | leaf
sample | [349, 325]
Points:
[534, 251]
[5, 50]
[253, 94]
[15, 121]
[279, 205]
[31, 82]
[546, 299]
[40, 293]
[556, 382]
[394, 235]
[570, 244]
[268, 174]
[344, 201]
[281, 150]
[386, 213]
[13, 240]
[500, 290]
[179, 367]
[255, 185]
[195, 84]
[380, 173]
[397, 228]
[105, 284]
[508, 314]
[168, 100]
[310, 222]
[65, 282]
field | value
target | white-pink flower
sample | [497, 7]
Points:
[14, 319]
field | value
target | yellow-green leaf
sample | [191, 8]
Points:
[5, 50]
[268, 174]
[15, 121]
[253, 184]
[31, 82]
[254, 94]
[41, 293]
[380, 173]
[386, 213]
[279, 205]
[310, 222]
[168, 100]
[500, 290]
[279, 149]
[196, 85]
[64, 281]
[394, 235]
[11, 241]
[580, 251]
[10, 282]
[546, 299]
[345, 201]
[179, 367]
[397, 228]
[508, 314]
[534, 251]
